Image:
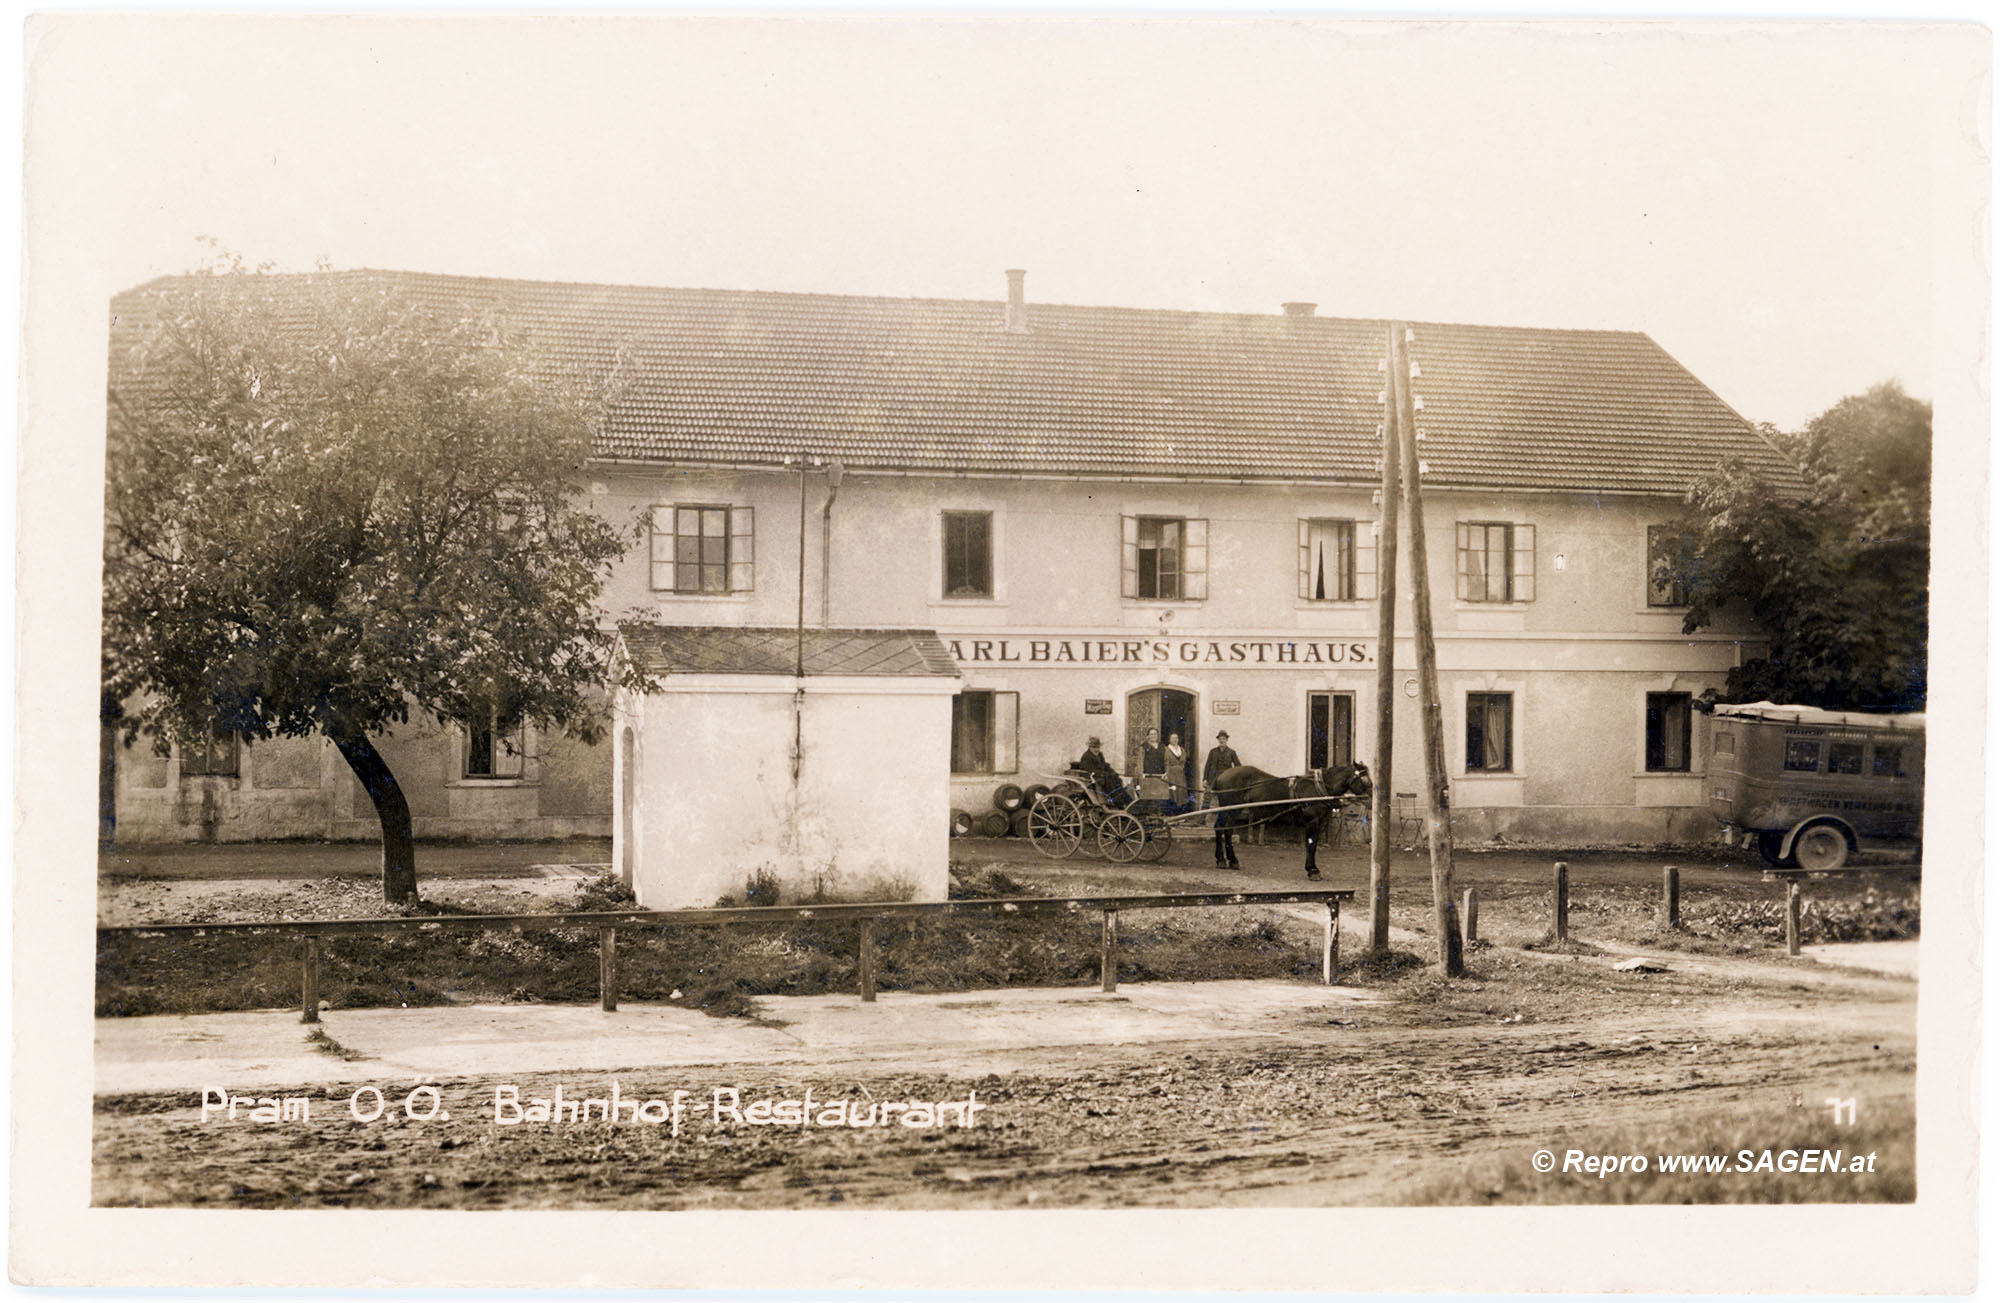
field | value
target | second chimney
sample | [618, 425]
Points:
[1017, 300]
[1300, 309]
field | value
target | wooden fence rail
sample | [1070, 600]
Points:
[607, 923]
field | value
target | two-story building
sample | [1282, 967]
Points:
[1124, 519]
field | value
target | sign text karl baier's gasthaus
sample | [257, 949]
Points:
[1123, 649]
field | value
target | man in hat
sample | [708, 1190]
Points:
[1221, 759]
[1097, 771]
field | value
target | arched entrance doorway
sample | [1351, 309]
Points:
[1171, 711]
[628, 790]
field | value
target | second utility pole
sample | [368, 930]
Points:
[1382, 821]
[1451, 954]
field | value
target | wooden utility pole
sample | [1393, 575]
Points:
[1451, 954]
[1381, 824]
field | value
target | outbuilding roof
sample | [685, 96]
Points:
[688, 649]
[940, 386]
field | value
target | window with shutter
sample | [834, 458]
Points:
[1496, 561]
[1165, 559]
[742, 549]
[1328, 559]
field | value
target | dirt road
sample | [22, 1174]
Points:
[1439, 1095]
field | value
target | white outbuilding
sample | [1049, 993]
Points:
[814, 763]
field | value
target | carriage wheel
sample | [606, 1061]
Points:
[1159, 840]
[1121, 836]
[1055, 826]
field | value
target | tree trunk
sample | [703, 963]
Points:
[392, 809]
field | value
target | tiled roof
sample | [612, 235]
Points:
[936, 385]
[902, 653]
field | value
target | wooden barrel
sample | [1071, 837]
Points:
[1008, 798]
[961, 823]
[1033, 794]
[1018, 824]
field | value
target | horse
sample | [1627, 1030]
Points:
[1317, 795]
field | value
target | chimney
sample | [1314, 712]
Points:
[1296, 309]
[1017, 300]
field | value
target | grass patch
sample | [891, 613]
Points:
[718, 970]
[1884, 1127]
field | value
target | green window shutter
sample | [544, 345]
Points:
[1131, 578]
[1524, 563]
[662, 578]
[1305, 560]
[1194, 562]
[1364, 559]
[742, 549]
[1464, 561]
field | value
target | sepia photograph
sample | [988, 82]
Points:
[802, 642]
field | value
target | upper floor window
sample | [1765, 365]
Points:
[703, 549]
[1669, 727]
[219, 755]
[1665, 582]
[1336, 561]
[496, 746]
[1496, 561]
[968, 554]
[1166, 559]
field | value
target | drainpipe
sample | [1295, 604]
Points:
[834, 470]
[799, 659]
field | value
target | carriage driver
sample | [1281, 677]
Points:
[1097, 771]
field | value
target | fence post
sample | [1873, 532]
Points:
[607, 968]
[1108, 951]
[1470, 915]
[1670, 896]
[309, 981]
[1793, 891]
[1330, 947]
[1562, 900]
[868, 961]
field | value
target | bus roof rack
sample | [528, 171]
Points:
[1914, 721]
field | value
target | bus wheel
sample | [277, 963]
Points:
[1769, 845]
[1821, 848]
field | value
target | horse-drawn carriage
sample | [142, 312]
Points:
[1124, 824]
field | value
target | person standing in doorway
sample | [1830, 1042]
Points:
[1180, 773]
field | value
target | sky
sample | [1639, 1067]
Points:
[1763, 201]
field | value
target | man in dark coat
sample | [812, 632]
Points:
[1097, 771]
[1221, 758]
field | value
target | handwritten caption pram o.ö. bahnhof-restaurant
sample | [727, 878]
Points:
[509, 1106]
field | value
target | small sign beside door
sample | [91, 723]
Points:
[1228, 707]
[1097, 706]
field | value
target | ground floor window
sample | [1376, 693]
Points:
[219, 755]
[1669, 724]
[984, 729]
[1489, 732]
[1329, 730]
[496, 746]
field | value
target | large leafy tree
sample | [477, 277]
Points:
[330, 506]
[1835, 568]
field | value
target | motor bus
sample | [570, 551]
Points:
[1809, 788]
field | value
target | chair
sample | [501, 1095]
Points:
[1409, 818]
